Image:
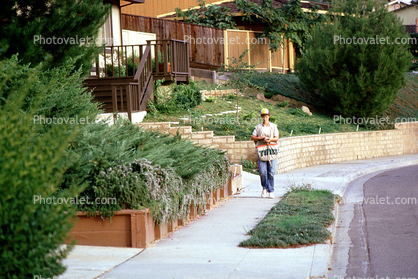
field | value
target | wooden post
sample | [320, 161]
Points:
[270, 58]
[149, 60]
[126, 60]
[249, 48]
[121, 98]
[98, 65]
[282, 57]
[119, 61]
[156, 57]
[174, 57]
[114, 100]
[291, 57]
[129, 101]
[165, 57]
[188, 61]
[226, 47]
[111, 58]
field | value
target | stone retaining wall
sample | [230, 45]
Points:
[304, 151]
[218, 93]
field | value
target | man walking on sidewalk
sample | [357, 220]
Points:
[263, 133]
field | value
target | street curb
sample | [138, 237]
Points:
[379, 168]
[350, 179]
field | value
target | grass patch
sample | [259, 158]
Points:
[290, 121]
[284, 84]
[203, 85]
[286, 118]
[406, 103]
[300, 218]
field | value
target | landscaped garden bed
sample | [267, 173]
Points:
[291, 120]
[300, 218]
[137, 228]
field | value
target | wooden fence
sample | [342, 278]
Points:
[206, 43]
[258, 52]
[211, 47]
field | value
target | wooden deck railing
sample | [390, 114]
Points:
[158, 59]
[138, 92]
[173, 57]
[168, 57]
[209, 55]
[119, 61]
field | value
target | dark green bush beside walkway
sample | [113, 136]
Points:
[142, 168]
[32, 228]
[300, 218]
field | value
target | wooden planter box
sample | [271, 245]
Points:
[127, 228]
[134, 228]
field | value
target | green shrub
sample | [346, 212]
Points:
[24, 22]
[210, 99]
[249, 116]
[143, 169]
[298, 112]
[181, 97]
[63, 94]
[128, 68]
[31, 230]
[356, 79]
[283, 104]
[249, 166]
[114, 71]
[231, 97]
[186, 96]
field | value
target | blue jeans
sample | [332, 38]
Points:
[266, 170]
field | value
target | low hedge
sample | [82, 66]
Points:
[143, 169]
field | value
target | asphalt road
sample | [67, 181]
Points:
[391, 214]
[382, 235]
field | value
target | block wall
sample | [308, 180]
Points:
[409, 136]
[304, 151]
[218, 93]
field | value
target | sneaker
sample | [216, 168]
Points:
[264, 193]
[271, 195]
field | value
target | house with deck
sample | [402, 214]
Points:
[407, 10]
[124, 73]
[145, 42]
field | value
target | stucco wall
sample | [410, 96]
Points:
[408, 15]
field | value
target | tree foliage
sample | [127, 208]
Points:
[288, 22]
[31, 231]
[211, 15]
[24, 23]
[356, 79]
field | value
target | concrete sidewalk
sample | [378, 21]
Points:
[208, 246]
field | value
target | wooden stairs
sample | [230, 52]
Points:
[120, 92]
